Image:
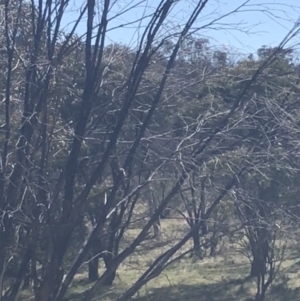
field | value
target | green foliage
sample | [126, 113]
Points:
[87, 128]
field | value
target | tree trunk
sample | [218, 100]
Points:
[256, 266]
[50, 285]
[2, 272]
[108, 260]
[110, 279]
[27, 278]
[156, 230]
[43, 293]
[152, 206]
[26, 282]
[258, 289]
[197, 248]
[213, 246]
[93, 269]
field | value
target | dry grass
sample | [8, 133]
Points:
[213, 279]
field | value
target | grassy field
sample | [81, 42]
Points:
[222, 278]
[211, 279]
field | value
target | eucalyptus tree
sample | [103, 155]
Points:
[67, 114]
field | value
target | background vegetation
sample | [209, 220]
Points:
[169, 170]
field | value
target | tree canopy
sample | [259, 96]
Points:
[97, 138]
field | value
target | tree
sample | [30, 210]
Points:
[90, 123]
[264, 230]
